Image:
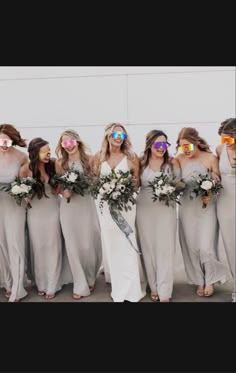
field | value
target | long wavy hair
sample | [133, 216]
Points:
[83, 150]
[191, 134]
[33, 149]
[14, 134]
[150, 139]
[228, 127]
[126, 146]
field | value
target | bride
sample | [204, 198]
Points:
[121, 261]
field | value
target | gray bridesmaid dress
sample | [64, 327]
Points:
[45, 241]
[156, 228]
[198, 235]
[12, 238]
[226, 210]
[81, 231]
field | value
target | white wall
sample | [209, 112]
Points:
[43, 101]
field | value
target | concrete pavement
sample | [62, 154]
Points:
[182, 292]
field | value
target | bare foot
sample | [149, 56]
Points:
[50, 296]
[209, 290]
[8, 293]
[200, 291]
[154, 296]
[76, 296]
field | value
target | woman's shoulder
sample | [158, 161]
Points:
[175, 162]
[21, 156]
[210, 157]
[219, 149]
[25, 170]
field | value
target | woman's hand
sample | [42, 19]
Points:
[215, 177]
[67, 193]
[57, 190]
[206, 199]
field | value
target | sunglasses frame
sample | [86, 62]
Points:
[161, 142]
[122, 135]
[72, 142]
[187, 146]
[6, 141]
[227, 139]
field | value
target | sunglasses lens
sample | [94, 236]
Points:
[161, 144]
[187, 148]
[122, 135]
[228, 140]
[68, 143]
[6, 142]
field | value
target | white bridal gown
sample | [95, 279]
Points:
[122, 264]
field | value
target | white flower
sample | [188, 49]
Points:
[129, 204]
[158, 192]
[160, 182]
[107, 187]
[16, 189]
[112, 184]
[72, 177]
[102, 191]
[170, 189]
[25, 188]
[121, 188]
[206, 185]
[115, 195]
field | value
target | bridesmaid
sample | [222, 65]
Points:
[79, 220]
[156, 222]
[226, 153]
[122, 264]
[12, 217]
[45, 238]
[198, 228]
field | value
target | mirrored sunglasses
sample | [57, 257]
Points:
[228, 140]
[161, 144]
[45, 154]
[187, 147]
[68, 143]
[122, 135]
[6, 142]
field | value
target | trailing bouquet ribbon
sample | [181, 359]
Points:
[123, 225]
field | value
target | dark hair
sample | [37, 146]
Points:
[191, 134]
[228, 127]
[150, 139]
[34, 148]
[14, 134]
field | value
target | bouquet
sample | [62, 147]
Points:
[73, 180]
[202, 186]
[166, 188]
[22, 190]
[118, 189]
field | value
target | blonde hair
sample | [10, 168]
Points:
[191, 134]
[126, 147]
[83, 150]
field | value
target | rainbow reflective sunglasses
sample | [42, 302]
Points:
[122, 135]
[187, 147]
[6, 142]
[161, 144]
[68, 143]
[228, 140]
[43, 155]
